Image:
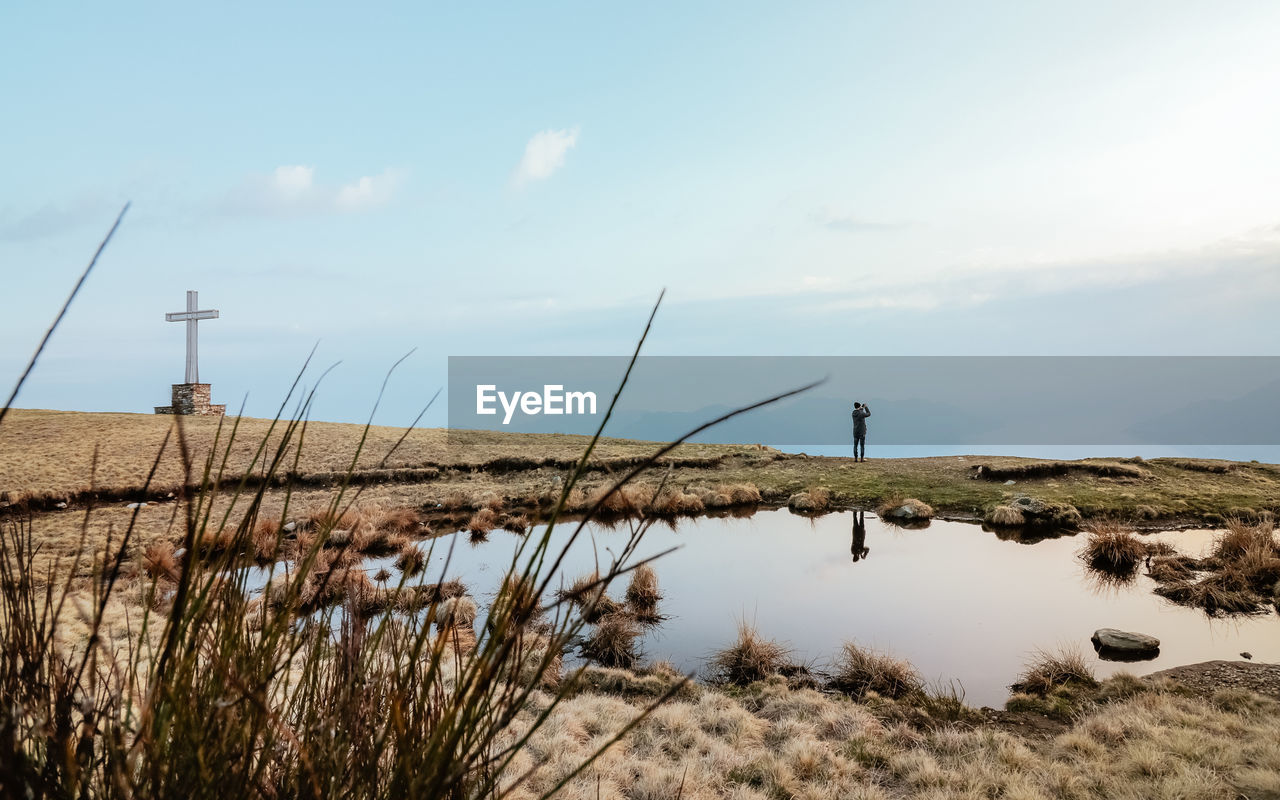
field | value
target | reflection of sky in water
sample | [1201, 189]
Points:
[953, 599]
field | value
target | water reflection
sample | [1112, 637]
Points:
[958, 602]
[859, 549]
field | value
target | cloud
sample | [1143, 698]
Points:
[848, 223]
[292, 190]
[544, 154]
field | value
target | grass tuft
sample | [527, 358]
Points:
[749, 659]
[815, 500]
[612, 643]
[858, 671]
[1112, 548]
[1049, 671]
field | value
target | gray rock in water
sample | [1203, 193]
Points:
[1117, 645]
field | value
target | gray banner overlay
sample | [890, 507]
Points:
[914, 400]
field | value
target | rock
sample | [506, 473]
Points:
[1010, 482]
[289, 527]
[180, 552]
[1118, 645]
[136, 505]
[59, 505]
[1247, 655]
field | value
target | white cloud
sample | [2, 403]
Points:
[544, 154]
[292, 190]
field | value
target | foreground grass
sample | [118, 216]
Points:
[771, 741]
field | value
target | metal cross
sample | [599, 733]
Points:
[192, 317]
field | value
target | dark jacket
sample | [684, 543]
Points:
[860, 421]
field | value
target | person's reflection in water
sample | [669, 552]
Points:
[859, 549]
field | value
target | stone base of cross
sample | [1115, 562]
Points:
[192, 397]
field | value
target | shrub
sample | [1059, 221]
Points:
[749, 659]
[858, 671]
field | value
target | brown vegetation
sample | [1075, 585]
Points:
[411, 559]
[1048, 671]
[815, 500]
[643, 594]
[612, 642]
[749, 659]
[1112, 548]
[1241, 576]
[858, 671]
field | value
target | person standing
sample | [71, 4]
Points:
[860, 414]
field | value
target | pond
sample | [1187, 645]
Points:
[956, 601]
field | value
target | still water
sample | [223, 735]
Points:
[955, 600]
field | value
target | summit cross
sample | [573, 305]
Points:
[192, 317]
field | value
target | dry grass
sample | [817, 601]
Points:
[456, 611]
[858, 671]
[773, 742]
[1005, 516]
[158, 561]
[483, 521]
[1242, 538]
[643, 594]
[904, 510]
[629, 500]
[815, 500]
[410, 560]
[49, 454]
[401, 520]
[1243, 572]
[749, 659]
[1112, 548]
[673, 502]
[612, 642]
[1048, 671]
[1169, 569]
[518, 523]
[588, 593]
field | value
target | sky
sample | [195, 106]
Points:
[846, 178]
